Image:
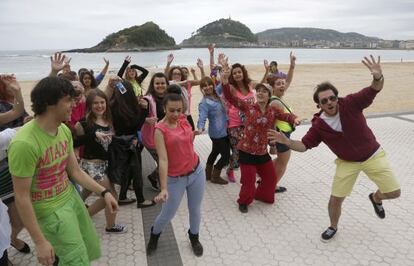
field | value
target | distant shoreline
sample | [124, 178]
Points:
[150, 49]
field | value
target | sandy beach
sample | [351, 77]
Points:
[397, 95]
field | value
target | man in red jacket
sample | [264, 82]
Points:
[341, 125]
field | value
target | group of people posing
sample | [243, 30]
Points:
[84, 140]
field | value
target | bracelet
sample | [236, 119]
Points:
[104, 192]
[379, 79]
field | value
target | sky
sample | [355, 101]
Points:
[42, 24]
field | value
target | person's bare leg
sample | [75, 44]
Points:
[99, 204]
[334, 209]
[281, 162]
[110, 217]
[379, 197]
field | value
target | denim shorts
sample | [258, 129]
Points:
[282, 147]
[96, 170]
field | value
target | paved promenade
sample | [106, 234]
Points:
[288, 232]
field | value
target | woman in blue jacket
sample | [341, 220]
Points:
[212, 108]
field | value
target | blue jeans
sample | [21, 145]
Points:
[194, 184]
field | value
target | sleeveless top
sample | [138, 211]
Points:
[179, 145]
[279, 124]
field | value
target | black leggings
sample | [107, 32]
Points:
[220, 146]
[134, 173]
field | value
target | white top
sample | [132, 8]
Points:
[5, 228]
[5, 138]
[333, 121]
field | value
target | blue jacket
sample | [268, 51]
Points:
[212, 109]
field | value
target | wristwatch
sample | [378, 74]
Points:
[104, 192]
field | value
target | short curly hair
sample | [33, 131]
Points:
[48, 92]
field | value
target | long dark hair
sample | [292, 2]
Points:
[151, 89]
[90, 116]
[93, 80]
[246, 80]
[170, 73]
[125, 106]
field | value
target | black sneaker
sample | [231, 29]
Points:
[328, 234]
[243, 208]
[280, 190]
[379, 210]
[126, 201]
[117, 229]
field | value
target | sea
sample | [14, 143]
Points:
[35, 64]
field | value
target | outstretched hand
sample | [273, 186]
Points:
[58, 62]
[10, 81]
[274, 136]
[211, 47]
[373, 66]
[292, 58]
[106, 61]
[266, 65]
[170, 58]
[200, 63]
[128, 58]
[220, 58]
[224, 62]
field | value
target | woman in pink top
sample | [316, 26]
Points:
[157, 89]
[179, 169]
[239, 79]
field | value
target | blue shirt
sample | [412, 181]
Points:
[212, 109]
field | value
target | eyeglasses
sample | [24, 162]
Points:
[331, 98]
[176, 74]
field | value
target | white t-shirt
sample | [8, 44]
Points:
[5, 138]
[333, 121]
[5, 228]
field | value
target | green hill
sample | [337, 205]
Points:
[222, 32]
[145, 37]
[311, 34]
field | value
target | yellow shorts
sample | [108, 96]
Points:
[376, 168]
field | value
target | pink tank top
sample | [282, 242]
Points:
[179, 145]
[234, 114]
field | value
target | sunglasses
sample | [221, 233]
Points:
[331, 98]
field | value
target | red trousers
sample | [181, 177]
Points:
[266, 189]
